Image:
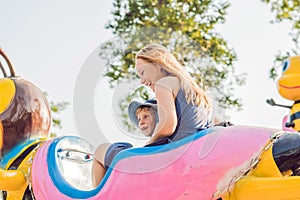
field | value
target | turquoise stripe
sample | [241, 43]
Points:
[59, 181]
[16, 151]
[65, 188]
[161, 148]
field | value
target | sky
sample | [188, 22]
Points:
[51, 42]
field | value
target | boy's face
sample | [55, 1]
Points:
[147, 121]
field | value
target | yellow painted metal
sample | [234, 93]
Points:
[9, 162]
[295, 109]
[11, 179]
[265, 188]
[265, 182]
[266, 167]
[289, 82]
[15, 182]
[7, 93]
[1, 135]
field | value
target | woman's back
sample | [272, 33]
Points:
[191, 117]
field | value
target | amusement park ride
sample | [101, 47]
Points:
[289, 88]
[235, 162]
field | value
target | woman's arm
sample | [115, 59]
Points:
[165, 89]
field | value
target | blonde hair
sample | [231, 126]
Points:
[158, 54]
[140, 109]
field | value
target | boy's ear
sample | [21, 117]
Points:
[160, 67]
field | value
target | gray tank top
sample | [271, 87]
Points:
[190, 118]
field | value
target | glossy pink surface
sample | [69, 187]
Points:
[191, 171]
[41, 181]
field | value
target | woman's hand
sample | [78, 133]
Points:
[148, 142]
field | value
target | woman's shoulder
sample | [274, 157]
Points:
[171, 81]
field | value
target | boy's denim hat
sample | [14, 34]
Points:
[134, 105]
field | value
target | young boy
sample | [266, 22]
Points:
[144, 116]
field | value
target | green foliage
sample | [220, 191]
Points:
[286, 10]
[184, 26]
[56, 108]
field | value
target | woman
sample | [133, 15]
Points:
[183, 107]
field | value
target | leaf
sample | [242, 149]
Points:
[187, 27]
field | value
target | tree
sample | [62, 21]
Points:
[286, 10]
[184, 26]
[56, 108]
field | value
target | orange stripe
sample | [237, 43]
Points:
[7, 93]
[1, 136]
